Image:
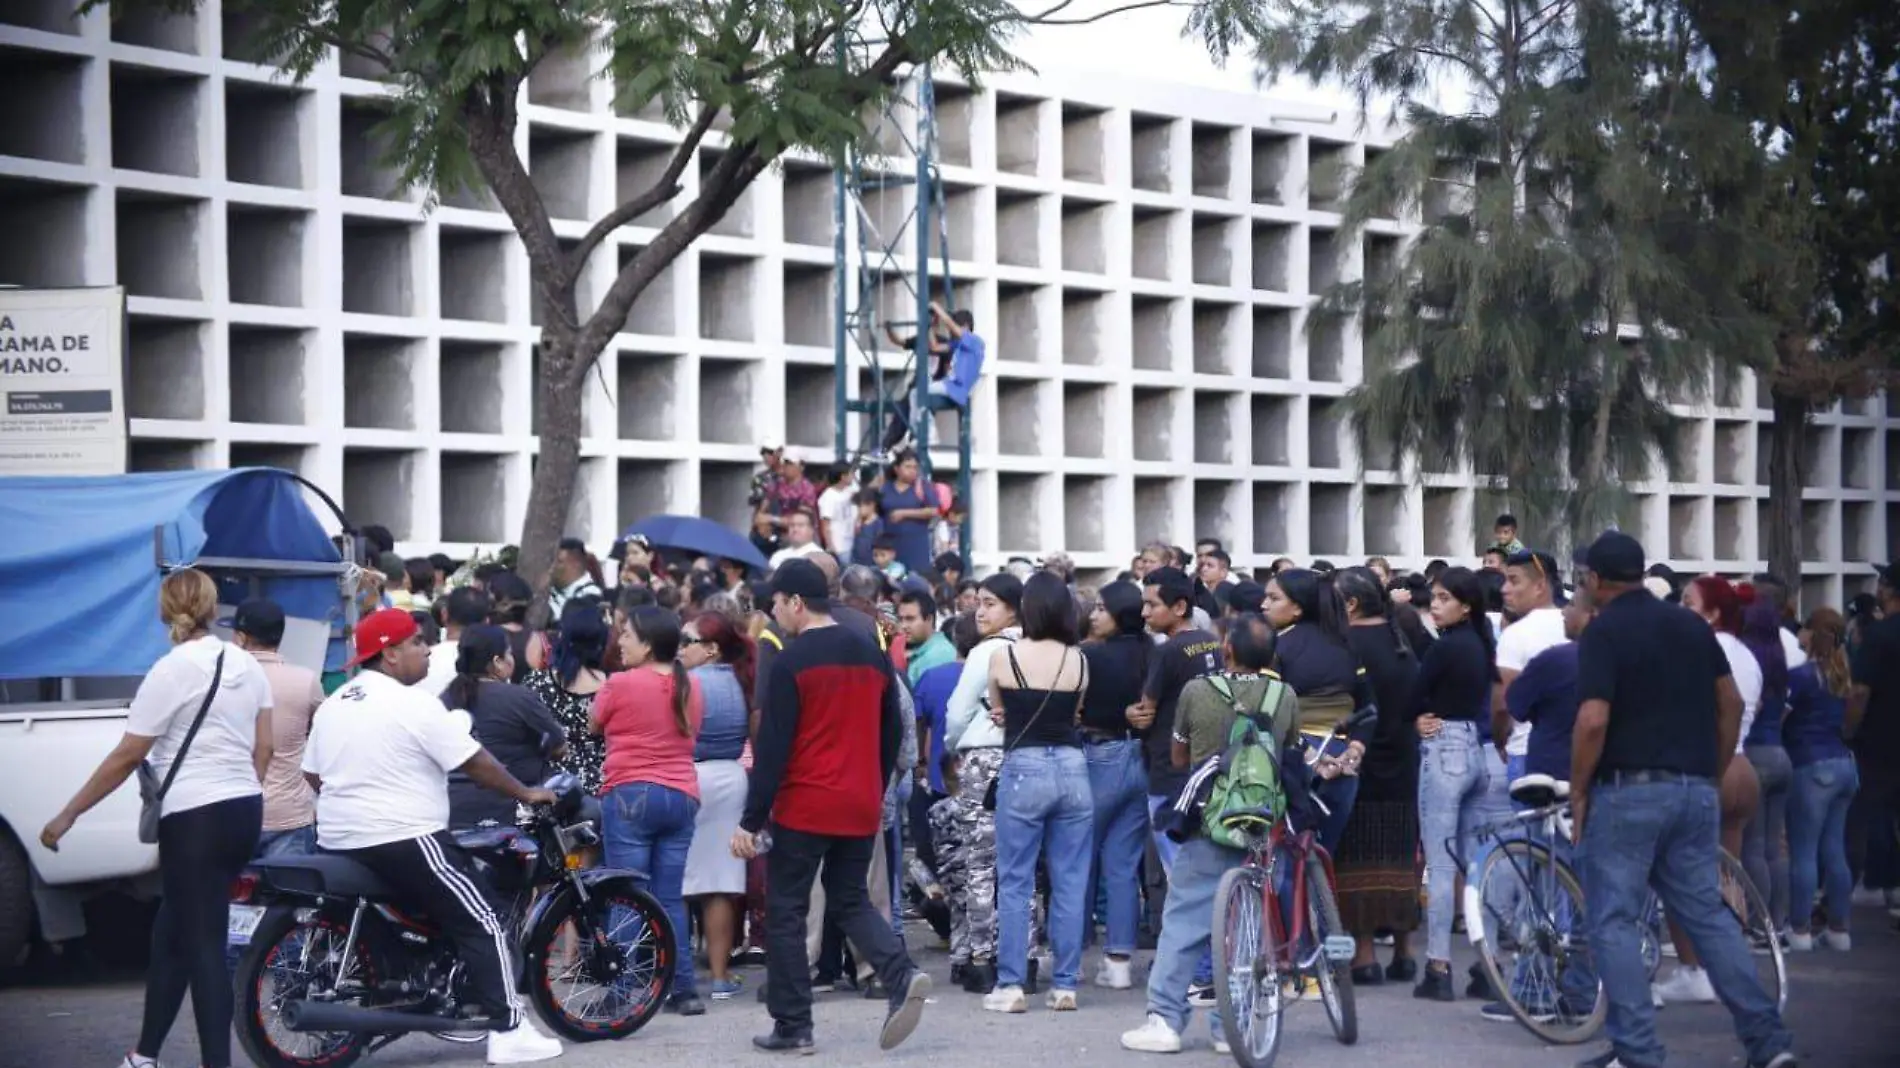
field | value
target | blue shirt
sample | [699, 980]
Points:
[966, 366]
[911, 537]
[1544, 695]
[727, 722]
[932, 697]
[1812, 731]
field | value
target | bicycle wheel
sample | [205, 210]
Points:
[1333, 973]
[1246, 967]
[1745, 902]
[1545, 975]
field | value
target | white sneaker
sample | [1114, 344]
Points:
[1687, 985]
[1867, 897]
[1799, 942]
[1837, 940]
[1154, 1036]
[1655, 996]
[1006, 999]
[523, 1045]
[1115, 974]
[133, 1060]
[1221, 1047]
[1062, 1000]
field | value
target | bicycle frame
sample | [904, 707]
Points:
[1266, 856]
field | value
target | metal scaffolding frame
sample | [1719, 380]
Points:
[898, 156]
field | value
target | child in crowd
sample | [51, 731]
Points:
[945, 838]
[884, 557]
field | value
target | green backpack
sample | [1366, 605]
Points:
[1248, 785]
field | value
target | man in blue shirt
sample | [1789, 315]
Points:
[951, 389]
[1544, 695]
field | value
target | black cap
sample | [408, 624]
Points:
[1889, 574]
[1614, 556]
[1537, 560]
[260, 618]
[802, 579]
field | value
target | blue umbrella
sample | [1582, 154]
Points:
[701, 537]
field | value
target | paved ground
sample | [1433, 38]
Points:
[1843, 1010]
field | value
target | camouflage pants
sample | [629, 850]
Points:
[944, 827]
[976, 840]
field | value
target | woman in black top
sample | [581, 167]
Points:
[1314, 656]
[1452, 698]
[1117, 659]
[1376, 865]
[1042, 793]
[509, 721]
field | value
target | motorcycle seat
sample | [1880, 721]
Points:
[323, 874]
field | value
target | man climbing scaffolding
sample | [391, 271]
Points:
[957, 363]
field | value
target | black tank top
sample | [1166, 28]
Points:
[1041, 717]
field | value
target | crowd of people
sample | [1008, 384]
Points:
[801, 760]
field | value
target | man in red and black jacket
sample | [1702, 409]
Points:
[830, 727]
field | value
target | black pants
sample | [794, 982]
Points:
[790, 867]
[200, 851]
[1872, 854]
[436, 876]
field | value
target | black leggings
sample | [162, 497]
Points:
[200, 851]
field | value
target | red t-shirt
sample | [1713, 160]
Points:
[644, 744]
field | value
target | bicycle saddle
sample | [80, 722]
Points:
[1538, 791]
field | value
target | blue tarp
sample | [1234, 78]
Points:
[78, 575]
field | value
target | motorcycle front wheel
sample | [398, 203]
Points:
[286, 961]
[601, 968]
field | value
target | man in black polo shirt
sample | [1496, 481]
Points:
[1873, 729]
[1657, 723]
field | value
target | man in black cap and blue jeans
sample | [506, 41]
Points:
[1658, 720]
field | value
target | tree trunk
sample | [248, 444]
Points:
[1787, 477]
[558, 466]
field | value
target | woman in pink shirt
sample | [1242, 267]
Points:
[649, 716]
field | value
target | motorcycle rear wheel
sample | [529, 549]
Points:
[285, 961]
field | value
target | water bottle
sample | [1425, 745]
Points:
[764, 841]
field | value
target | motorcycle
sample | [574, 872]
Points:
[336, 967]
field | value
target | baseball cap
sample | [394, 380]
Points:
[1889, 574]
[801, 578]
[1614, 556]
[259, 617]
[379, 630]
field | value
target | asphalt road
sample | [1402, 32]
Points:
[1843, 1009]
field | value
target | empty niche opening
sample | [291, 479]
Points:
[647, 401]
[1328, 174]
[1685, 528]
[1764, 448]
[47, 16]
[560, 163]
[725, 402]
[471, 386]
[1213, 428]
[356, 65]
[1322, 260]
[166, 454]
[653, 310]
[165, 368]
[265, 256]
[1272, 342]
[379, 487]
[1084, 513]
[1272, 161]
[1857, 540]
[1823, 452]
[242, 37]
[955, 114]
[810, 198]
[1684, 452]
[1151, 152]
[724, 489]
[1817, 531]
[1084, 312]
[1383, 520]
[365, 148]
[1154, 424]
[1083, 137]
[283, 457]
[1213, 338]
[158, 246]
[1018, 229]
[1018, 411]
[1151, 243]
[646, 489]
[639, 164]
[378, 267]
[1272, 430]
[1215, 503]
[1323, 431]
[1730, 383]
[1084, 420]
[267, 374]
[1019, 508]
[473, 274]
[1386, 207]
[1731, 524]
[725, 296]
[1329, 519]
[954, 236]
[564, 78]
[379, 382]
[808, 304]
[1731, 453]
[43, 223]
[738, 221]
[811, 404]
[1154, 509]
[1857, 458]
[1213, 250]
[1018, 134]
[1382, 258]
[1084, 236]
[151, 26]
[474, 497]
[1152, 333]
[1273, 257]
[43, 91]
[263, 135]
[154, 121]
[1448, 524]
[1893, 462]
[1272, 509]
[1325, 348]
[1018, 331]
[1213, 166]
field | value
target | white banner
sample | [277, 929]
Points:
[62, 381]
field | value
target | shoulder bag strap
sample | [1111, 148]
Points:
[178, 761]
[1042, 705]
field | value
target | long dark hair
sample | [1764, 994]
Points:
[735, 649]
[1360, 585]
[1761, 635]
[479, 646]
[1467, 587]
[1122, 600]
[581, 641]
[1319, 601]
[659, 629]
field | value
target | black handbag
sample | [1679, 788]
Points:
[151, 791]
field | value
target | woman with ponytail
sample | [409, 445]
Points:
[509, 720]
[650, 716]
[1825, 781]
[1314, 655]
[721, 659]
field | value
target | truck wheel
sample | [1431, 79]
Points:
[16, 903]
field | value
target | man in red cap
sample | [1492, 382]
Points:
[379, 756]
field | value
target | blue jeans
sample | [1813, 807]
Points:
[1186, 928]
[1042, 799]
[1762, 851]
[1666, 835]
[649, 828]
[1118, 787]
[1817, 840]
[1338, 795]
[1453, 779]
[1168, 849]
[296, 842]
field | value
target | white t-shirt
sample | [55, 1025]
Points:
[1747, 672]
[1791, 649]
[839, 508]
[384, 752]
[218, 765]
[1538, 630]
[441, 668]
[793, 552]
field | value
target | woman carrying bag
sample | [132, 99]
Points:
[201, 725]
